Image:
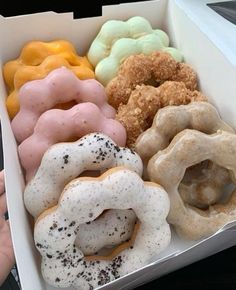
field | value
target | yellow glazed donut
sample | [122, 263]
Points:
[168, 166]
[83, 200]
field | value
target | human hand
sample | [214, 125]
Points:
[7, 259]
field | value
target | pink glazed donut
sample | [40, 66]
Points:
[60, 86]
[57, 125]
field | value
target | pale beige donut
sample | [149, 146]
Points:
[168, 166]
[171, 120]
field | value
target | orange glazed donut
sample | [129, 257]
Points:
[34, 53]
[28, 73]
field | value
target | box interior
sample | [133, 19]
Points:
[205, 54]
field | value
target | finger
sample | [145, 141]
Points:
[3, 204]
[2, 183]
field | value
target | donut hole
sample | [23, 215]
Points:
[152, 82]
[206, 184]
[66, 106]
[106, 240]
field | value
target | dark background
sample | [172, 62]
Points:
[215, 272]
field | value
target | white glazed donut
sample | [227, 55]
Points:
[63, 162]
[83, 200]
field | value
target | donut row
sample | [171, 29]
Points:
[117, 147]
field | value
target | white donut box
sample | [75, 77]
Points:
[208, 42]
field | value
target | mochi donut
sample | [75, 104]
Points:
[101, 233]
[167, 167]
[108, 68]
[60, 86]
[200, 191]
[34, 53]
[157, 67]
[145, 101]
[170, 120]
[56, 126]
[65, 161]
[28, 73]
[112, 30]
[63, 264]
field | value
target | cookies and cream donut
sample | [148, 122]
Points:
[168, 166]
[56, 126]
[83, 200]
[58, 87]
[65, 161]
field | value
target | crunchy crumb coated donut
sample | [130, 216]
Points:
[64, 265]
[65, 161]
[56, 126]
[137, 115]
[58, 87]
[167, 167]
[143, 69]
